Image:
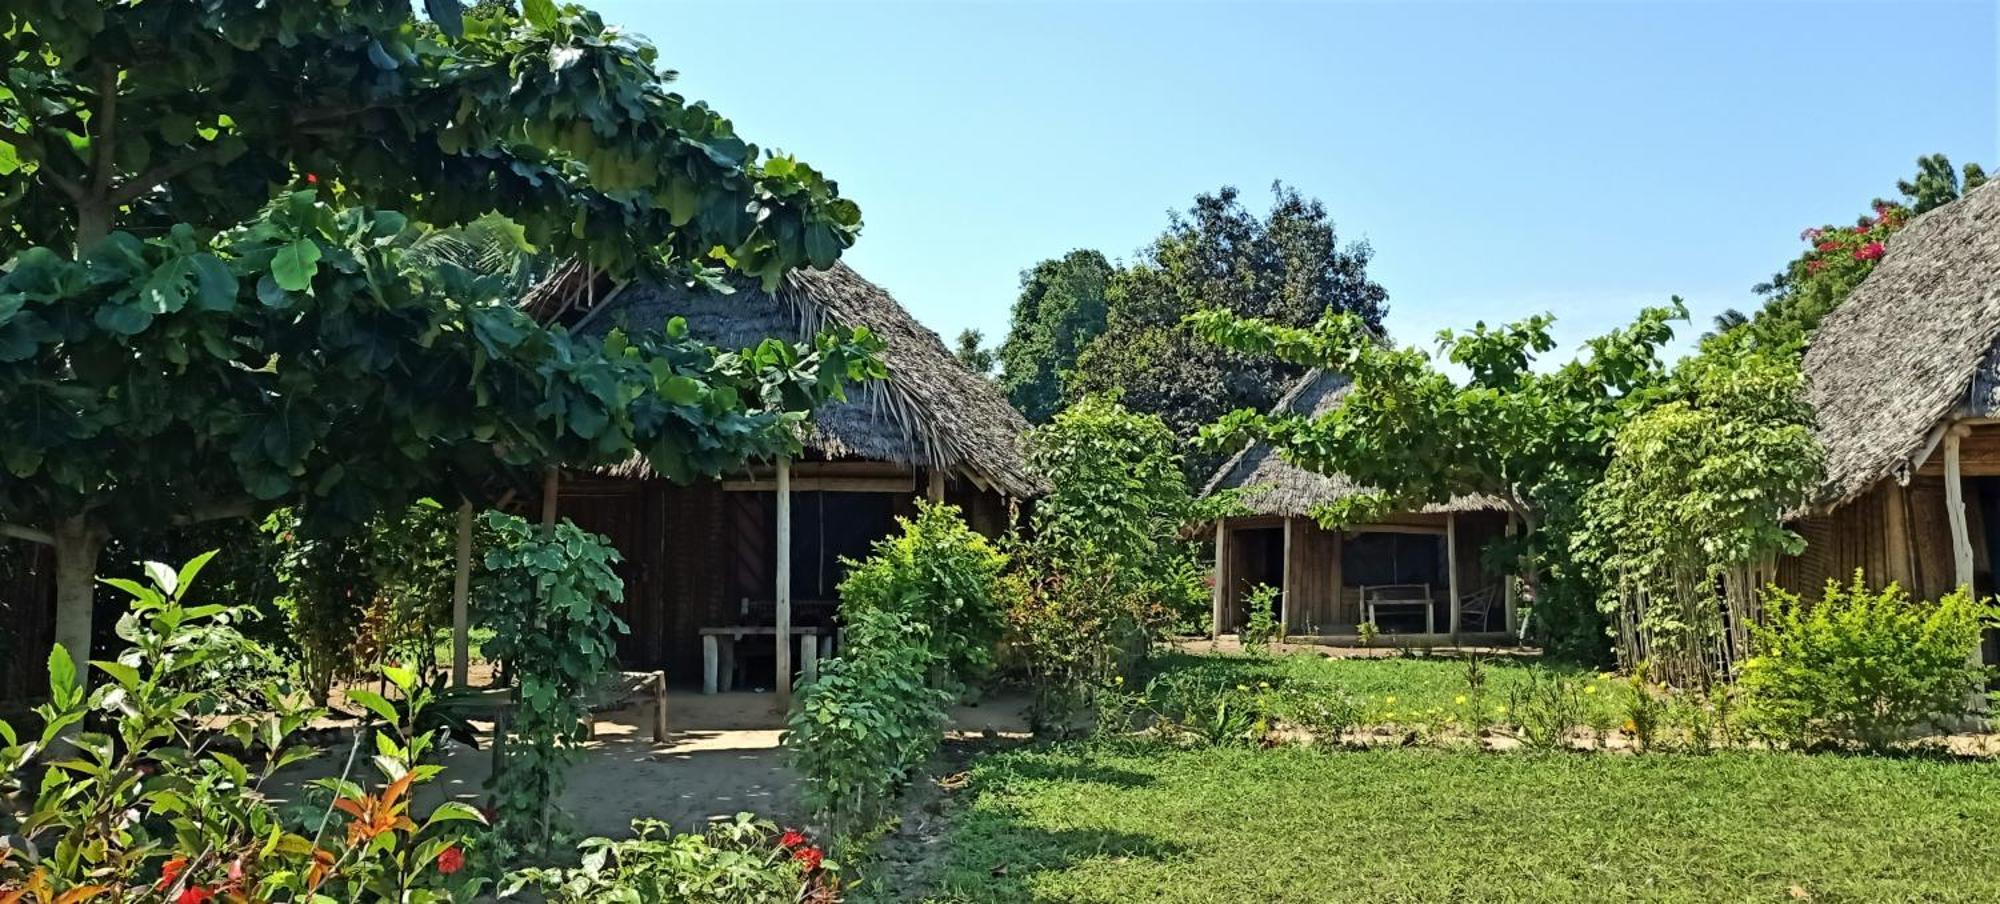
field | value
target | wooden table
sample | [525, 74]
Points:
[718, 651]
[496, 704]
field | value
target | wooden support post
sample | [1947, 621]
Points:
[1954, 503]
[1896, 507]
[935, 489]
[1451, 568]
[461, 609]
[551, 488]
[1285, 582]
[711, 664]
[1961, 540]
[1511, 591]
[808, 658]
[784, 588]
[1220, 577]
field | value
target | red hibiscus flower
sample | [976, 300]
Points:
[791, 839]
[194, 894]
[1868, 252]
[172, 870]
[810, 856]
[451, 860]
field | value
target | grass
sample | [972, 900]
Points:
[1400, 689]
[1152, 823]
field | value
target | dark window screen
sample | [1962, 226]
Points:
[1392, 558]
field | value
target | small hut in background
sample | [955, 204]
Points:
[1417, 573]
[721, 576]
[1904, 377]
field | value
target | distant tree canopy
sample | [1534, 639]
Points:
[1127, 325]
[971, 351]
[1839, 257]
[1060, 310]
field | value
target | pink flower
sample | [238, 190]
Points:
[1826, 246]
[1812, 234]
[1815, 265]
[1868, 252]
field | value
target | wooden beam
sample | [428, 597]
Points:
[1220, 577]
[935, 487]
[461, 592]
[1510, 589]
[1954, 503]
[551, 489]
[1451, 568]
[1896, 503]
[904, 484]
[784, 588]
[1285, 580]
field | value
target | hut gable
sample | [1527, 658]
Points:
[1901, 353]
[931, 412]
[1271, 485]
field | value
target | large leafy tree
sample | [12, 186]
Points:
[1534, 439]
[1061, 308]
[1286, 268]
[211, 307]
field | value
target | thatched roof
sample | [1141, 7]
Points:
[931, 412]
[1899, 355]
[1273, 486]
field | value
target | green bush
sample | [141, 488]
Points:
[860, 731]
[940, 573]
[1262, 628]
[547, 595]
[1861, 666]
[743, 861]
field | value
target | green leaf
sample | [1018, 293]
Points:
[62, 672]
[681, 390]
[539, 13]
[374, 703]
[450, 18]
[296, 265]
[215, 285]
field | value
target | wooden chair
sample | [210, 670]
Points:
[1480, 604]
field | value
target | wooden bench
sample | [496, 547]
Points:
[618, 690]
[718, 651]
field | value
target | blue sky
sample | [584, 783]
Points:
[1503, 159]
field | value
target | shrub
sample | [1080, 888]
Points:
[941, 573]
[743, 861]
[1548, 708]
[859, 732]
[1861, 666]
[1075, 631]
[1262, 628]
[170, 806]
[547, 596]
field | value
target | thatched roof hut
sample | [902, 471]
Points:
[1905, 352]
[930, 413]
[1271, 485]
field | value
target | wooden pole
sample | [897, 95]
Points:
[1285, 582]
[1954, 503]
[1511, 592]
[461, 592]
[935, 489]
[1897, 510]
[1961, 541]
[1451, 567]
[784, 588]
[1220, 577]
[551, 488]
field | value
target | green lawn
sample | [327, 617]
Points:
[1149, 823]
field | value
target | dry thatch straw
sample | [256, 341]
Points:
[931, 412]
[1273, 486]
[1900, 354]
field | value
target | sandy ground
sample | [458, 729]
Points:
[721, 757]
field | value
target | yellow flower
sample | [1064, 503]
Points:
[1264, 685]
[1390, 700]
[1243, 687]
[1390, 715]
[1119, 680]
[1460, 699]
[1591, 689]
[1499, 710]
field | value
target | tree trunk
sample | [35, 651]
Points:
[77, 546]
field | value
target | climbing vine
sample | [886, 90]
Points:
[546, 594]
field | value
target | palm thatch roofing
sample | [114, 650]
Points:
[1900, 355]
[1270, 485]
[931, 412]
